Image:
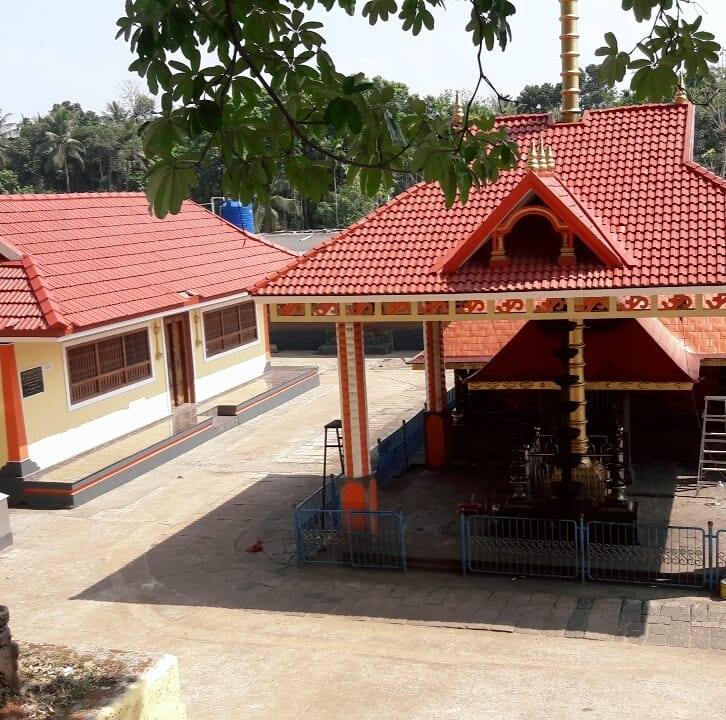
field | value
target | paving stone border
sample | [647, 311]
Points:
[696, 621]
[675, 623]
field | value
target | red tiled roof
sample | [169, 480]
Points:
[654, 354]
[686, 339]
[629, 166]
[550, 188]
[705, 336]
[676, 350]
[96, 258]
[19, 308]
[476, 341]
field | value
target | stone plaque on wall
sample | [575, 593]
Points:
[31, 381]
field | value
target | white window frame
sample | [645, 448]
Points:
[211, 358]
[118, 391]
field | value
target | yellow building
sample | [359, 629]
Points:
[111, 320]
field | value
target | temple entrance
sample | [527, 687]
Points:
[513, 493]
[179, 363]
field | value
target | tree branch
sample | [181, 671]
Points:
[230, 29]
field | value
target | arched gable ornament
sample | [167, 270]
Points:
[567, 250]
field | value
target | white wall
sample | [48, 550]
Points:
[63, 445]
[4, 519]
[219, 373]
[226, 378]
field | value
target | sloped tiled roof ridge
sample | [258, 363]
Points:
[90, 259]
[631, 166]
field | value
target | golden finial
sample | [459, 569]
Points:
[549, 159]
[680, 97]
[569, 58]
[457, 116]
[533, 159]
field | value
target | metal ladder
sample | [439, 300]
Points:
[712, 457]
[336, 427]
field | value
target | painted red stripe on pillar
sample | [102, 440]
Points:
[435, 367]
[362, 394]
[353, 401]
[344, 397]
[428, 367]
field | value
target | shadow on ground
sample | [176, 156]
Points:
[208, 564]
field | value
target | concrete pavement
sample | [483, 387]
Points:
[160, 564]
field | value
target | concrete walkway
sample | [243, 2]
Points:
[160, 564]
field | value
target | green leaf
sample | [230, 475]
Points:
[168, 186]
[210, 115]
[161, 136]
[341, 112]
[386, 94]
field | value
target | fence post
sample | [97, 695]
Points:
[298, 539]
[712, 572]
[464, 541]
[405, 442]
[402, 525]
[582, 532]
[378, 466]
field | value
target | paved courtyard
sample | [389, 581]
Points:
[161, 564]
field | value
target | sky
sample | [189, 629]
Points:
[52, 51]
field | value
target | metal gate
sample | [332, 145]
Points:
[325, 534]
[375, 539]
[520, 546]
[647, 554]
[719, 557]
[595, 551]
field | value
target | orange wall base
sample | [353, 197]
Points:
[359, 494]
[437, 427]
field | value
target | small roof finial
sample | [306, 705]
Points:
[680, 97]
[533, 161]
[549, 159]
[457, 115]
[541, 157]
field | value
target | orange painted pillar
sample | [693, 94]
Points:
[266, 331]
[437, 422]
[19, 464]
[359, 491]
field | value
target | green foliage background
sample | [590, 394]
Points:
[111, 148]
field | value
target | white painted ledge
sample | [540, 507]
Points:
[156, 695]
[6, 537]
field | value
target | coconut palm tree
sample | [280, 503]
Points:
[128, 157]
[6, 128]
[60, 146]
[116, 112]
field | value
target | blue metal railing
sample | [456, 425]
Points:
[325, 534]
[400, 450]
[397, 451]
[717, 546]
[635, 553]
[313, 521]
[630, 553]
[520, 546]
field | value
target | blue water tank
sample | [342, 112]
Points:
[233, 211]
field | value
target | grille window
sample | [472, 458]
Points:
[99, 367]
[229, 328]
